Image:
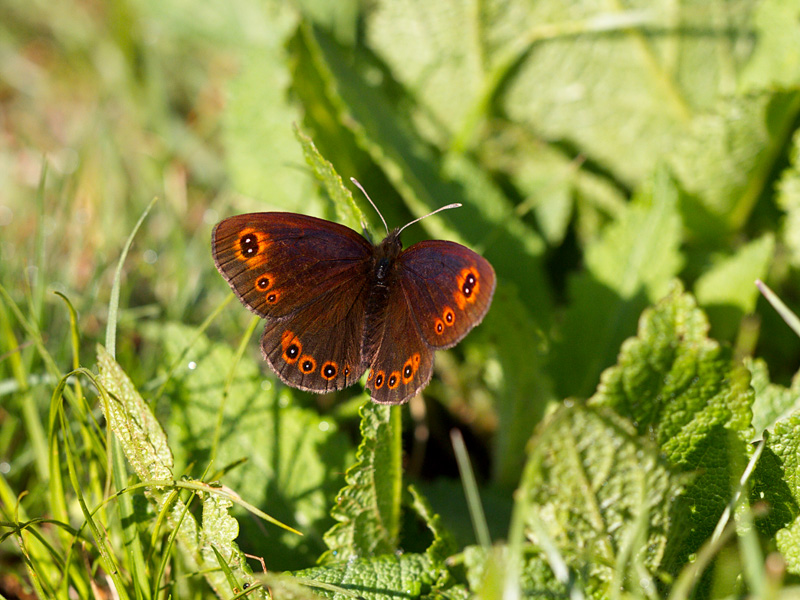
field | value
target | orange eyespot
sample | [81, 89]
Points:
[307, 364]
[292, 348]
[408, 371]
[329, 370]
[394, 380]
[438, 326]
[380, 378]
[468, 286]
[250, 246]
[273, 297]
[448, 316]
[264, 282]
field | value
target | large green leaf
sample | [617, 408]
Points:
[368, 509]
[684, 390]
[603, 496]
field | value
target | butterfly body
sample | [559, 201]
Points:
[337, 305]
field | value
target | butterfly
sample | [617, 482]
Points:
[336, 305]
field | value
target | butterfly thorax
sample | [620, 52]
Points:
[385, 254]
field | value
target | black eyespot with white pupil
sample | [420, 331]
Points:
[292, 351]
[329, 371]
[469, 283]
[407, 371]
[307, 366]
[249, 245]
[392, 380]
[379, 381]
[263, 283]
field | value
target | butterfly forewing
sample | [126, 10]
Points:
[276, 263]
[450, 288]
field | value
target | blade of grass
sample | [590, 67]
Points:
[113, 302]
[784, 311]
[471, 490]
[136, 562]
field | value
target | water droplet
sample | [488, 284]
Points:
[150, 256]
[192, 365]
[5, 467]
[324, 426]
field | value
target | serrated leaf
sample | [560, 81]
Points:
[603, 94]
[405, 575]
[144, 443]
[727, 290]
[368, 508]
[347, 210]
[294, 457]
[776, 481]
[142, 439]
[630, 265]
[772, 402]
[603, 496]
[443, 544]
[683, 390]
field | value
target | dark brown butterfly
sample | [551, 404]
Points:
[336, 304]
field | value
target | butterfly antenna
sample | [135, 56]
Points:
[454, 205]
[363, 191]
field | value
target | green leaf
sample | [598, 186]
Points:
[605, 80]
[368, 508]
[144, 443]
[603, 495]
[775, 62]
[685, 391]
[347, 210]
[443, 544]
[727, 291]
[788, 199]
[261, 148]
[629, 266]
[724, 161]
[524, 388]
[293, 456]
[404, 576]
[485, 573]
[776, 481]
[772, 402]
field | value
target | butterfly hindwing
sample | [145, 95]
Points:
[318, 349]
[401, 363]
[449, 288]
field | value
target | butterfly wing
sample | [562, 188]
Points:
[440, 291]
[450, 288]
[309, 278]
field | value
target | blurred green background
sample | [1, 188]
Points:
[600, 153]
